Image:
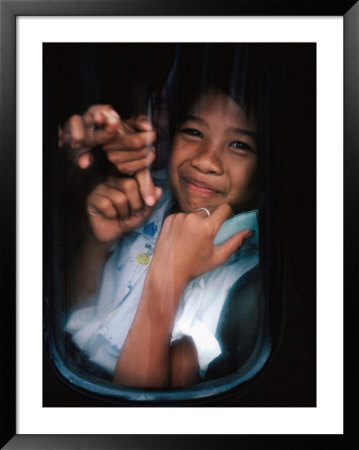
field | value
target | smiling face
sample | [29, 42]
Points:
[214, 156]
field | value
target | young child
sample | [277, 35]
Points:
[213, 165]
[154, 320]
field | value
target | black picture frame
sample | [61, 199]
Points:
[11, 9]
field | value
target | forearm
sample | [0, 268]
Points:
[145, 358]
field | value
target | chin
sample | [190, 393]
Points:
[187, 207]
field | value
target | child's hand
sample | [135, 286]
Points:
[128, 144]
[185, 248]
[80, 134]
[116, 207]
[131, 149]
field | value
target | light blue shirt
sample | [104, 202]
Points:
[100, 329]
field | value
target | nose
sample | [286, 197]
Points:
[207, 160]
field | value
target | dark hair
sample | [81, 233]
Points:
[252, 75]
[249, 73]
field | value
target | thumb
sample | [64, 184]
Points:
[85, 160]
[149, 192]
[143, 123]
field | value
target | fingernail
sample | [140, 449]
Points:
[85, 160]
[150, 200]
[98, 116]
[113, 117]
[249, 234]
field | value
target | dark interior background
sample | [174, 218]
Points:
[290, 380]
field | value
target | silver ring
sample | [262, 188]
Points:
[204, 209]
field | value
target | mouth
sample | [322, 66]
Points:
[199, 187]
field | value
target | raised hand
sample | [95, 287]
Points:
[131, 150]
[80, 134]
[185, 248]
[128, 144]
[116, 207]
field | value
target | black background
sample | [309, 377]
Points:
[290, 380]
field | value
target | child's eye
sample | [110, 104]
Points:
[191, 132]
[241, 146]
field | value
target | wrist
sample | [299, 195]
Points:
[99, 246]
[162, 294]
[166, 280]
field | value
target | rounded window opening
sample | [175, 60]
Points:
[162, 254]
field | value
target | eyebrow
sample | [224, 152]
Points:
[250, 133]
[244, 131]
[194, 118]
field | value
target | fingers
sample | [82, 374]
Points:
[149, 192]
[73, 137]
[80, 134]
[125, 155]
[129, 196]
[85, 160]
[100, 124]
[76, 132]
[101, 115]
[130, 189]
[132, 150]
[221, 213]
[107, 117]
[131, 167]
[215, 220]
[73, 133]
[204, 212]
[109, 202]
[143, 123]
[128, 144]
[131, 141]
[116, 207]
[139, 123]
[217, 216]
[225, 250]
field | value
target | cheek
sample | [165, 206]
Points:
[251, 174]
[244, 181]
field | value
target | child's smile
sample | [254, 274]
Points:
[199, 187]
[214, 156]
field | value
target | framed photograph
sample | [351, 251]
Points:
[242, 129]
